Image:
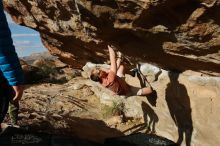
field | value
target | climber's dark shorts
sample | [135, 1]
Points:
[6, 93]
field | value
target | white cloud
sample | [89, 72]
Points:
[26, 35]
[25, 42]
[29, 47]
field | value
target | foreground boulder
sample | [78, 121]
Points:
[20, 137]
[85, 109]
[177, 35]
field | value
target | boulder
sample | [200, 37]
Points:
[179, 35]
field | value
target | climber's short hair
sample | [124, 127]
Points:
[94, 76]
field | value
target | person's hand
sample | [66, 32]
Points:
[111, 47]
[111, 51]
[18, 92]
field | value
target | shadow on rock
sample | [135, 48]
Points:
[178, 103]
[91, 129]
[150, 120]
[152, 98]
[20, 137]
[139, 139]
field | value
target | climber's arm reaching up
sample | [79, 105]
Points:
[113, 67]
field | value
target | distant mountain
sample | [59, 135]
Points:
[36, 56]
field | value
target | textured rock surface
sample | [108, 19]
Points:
[31, 73]
[177, 35]
[186, 109]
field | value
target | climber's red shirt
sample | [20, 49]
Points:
[115, 83]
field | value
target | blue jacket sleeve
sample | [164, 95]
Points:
[9, 63]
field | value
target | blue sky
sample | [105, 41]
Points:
[26, 41]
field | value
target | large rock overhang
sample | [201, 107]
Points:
[176, 35]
